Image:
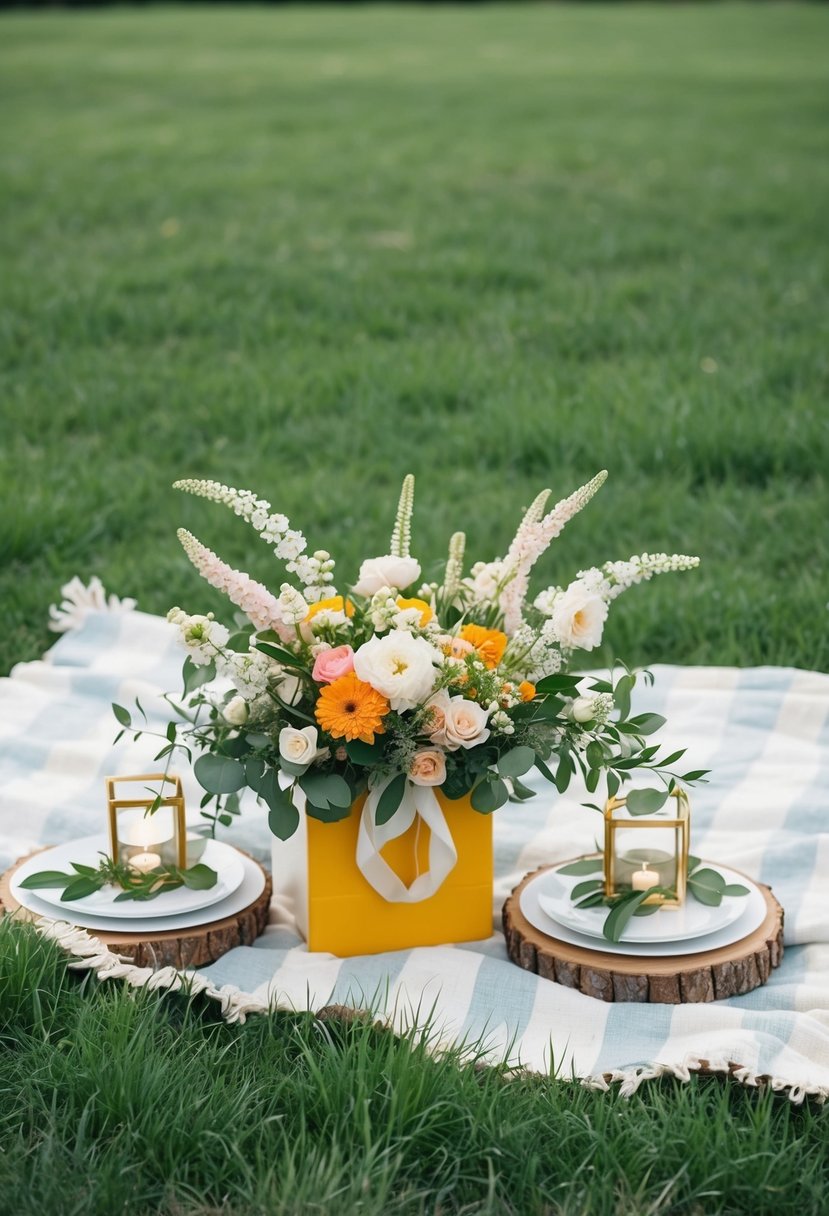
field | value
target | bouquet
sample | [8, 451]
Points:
[395, 687]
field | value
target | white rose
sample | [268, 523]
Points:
[399, 666]
[578, 617]
[583, 709]
[236, 711]
[298, 746]
[465, 726]
[377, 572]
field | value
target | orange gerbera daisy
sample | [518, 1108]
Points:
[349, 708]
[489, 643]
[336, 603]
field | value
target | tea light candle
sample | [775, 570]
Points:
[644, 879]
[144, 862]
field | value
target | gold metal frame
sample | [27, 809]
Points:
[681, 826]
[176, 801]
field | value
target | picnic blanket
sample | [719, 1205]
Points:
[764, 733]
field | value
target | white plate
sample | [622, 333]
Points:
[225, 860]
[691, 920]
[251, 888]
[754, 913]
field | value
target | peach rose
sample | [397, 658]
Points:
[428, 767]
[331, 664]
[438, 707]
[466, 724]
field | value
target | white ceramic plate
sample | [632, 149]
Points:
[754, 913]
[689, 921]
[250, 889]
[222, 858]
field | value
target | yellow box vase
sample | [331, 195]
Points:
[316, 877]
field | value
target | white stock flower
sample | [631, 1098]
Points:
[236, 711]
[578, 617]
[292, 605]
[298, 746]
[387, 571]
[202, 635]
[400, 666]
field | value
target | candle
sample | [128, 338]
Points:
[644, 879]
[144, 862]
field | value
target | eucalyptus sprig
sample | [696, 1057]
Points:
[705, 884]
[136, 884]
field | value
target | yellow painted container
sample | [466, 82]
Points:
[316, 877]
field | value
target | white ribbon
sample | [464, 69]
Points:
[417, 800]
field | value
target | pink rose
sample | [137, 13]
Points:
[331, 664]
[428, 767]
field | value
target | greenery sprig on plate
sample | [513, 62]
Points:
[137, 885]
[705, 884]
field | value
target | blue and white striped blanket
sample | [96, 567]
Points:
[764, 733]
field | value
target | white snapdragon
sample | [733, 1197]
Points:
[484, 581]
[292, 605]
[407, 619]
[202, 635]
[383, 609]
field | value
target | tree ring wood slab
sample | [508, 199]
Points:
[669, 979]
[180, 948]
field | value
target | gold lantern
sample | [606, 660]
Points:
[143, 840]
[648, 850]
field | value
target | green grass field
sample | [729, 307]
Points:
[306, 251]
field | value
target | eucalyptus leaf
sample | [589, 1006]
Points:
[82, 886]
[283, 817]
[46, 878]
[516, 762]
[621, 695]
[707, 886]
[366, 754]
[327, 814]
[586, 887]
[489, 795]
[646, 802]
[219, 774]
[735, 888]
[192, 677]
[587, 865]
[620, 914]
[199, 877]
[390, 799]
[648, 724]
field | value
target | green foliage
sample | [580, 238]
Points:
[136, 885]
[122, 1100]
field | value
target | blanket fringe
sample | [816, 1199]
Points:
[79, 599]
[91, 954]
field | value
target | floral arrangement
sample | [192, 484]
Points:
[394, 684]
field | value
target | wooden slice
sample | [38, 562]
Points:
[181, 948]
[672, 980]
